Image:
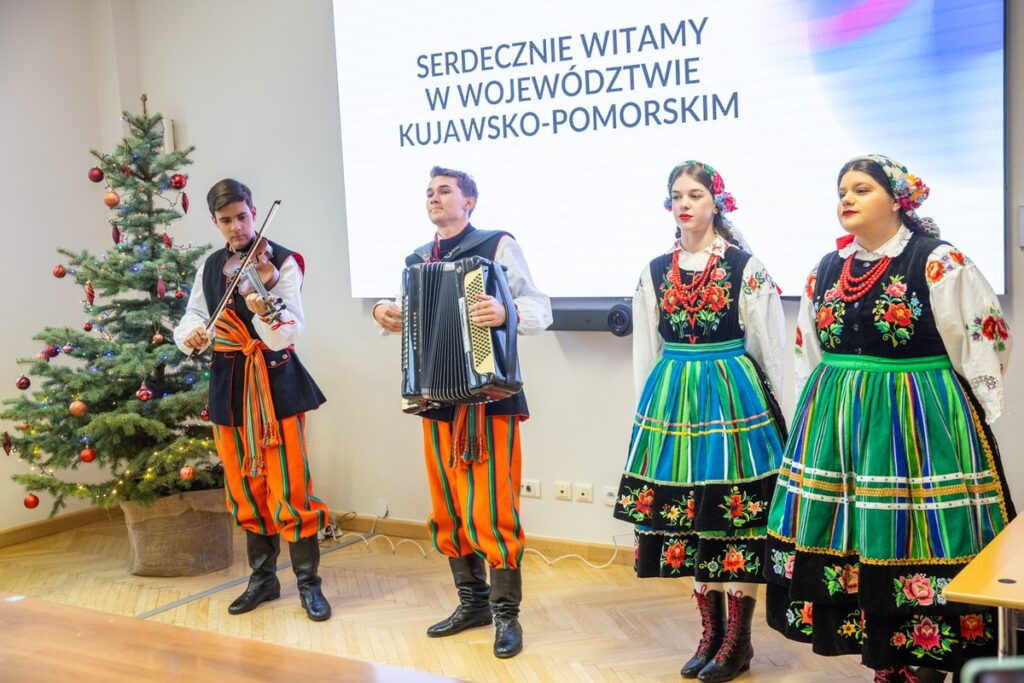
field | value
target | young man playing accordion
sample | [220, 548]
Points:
[475, 495]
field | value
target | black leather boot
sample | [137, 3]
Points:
[711, 605]
[305, 561]
[506, 594]
[262, 552]
[470, 576]
[733, 658]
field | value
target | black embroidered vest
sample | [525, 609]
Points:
[292, 389]
[892, 320]
[718, 319]
[487, 248]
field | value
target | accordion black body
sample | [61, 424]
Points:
[446, 359]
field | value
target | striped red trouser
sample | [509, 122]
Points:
[476, 505]
[282, 500]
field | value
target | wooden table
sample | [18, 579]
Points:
[996, 578]
[46, 641]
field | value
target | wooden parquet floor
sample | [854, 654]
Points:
[580, 624]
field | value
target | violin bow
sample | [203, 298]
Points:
[230, 291]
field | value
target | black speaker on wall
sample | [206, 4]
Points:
[593, 314]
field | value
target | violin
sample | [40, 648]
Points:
[258, 275]
[248, 268]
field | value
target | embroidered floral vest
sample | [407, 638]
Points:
[892, 320]
[718, 318]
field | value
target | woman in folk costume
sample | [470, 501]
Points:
[891, 480]
[707, 439]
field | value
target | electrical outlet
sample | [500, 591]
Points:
[610, 495]
[563, 490]
[583, 493]
[529, 488]
[381, 508]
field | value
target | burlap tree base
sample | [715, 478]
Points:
[180, 535]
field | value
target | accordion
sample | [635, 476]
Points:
[446, 359]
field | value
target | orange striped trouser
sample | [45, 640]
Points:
[281, 500]
[476, 505]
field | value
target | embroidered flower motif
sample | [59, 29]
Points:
[757, 280]
[925, 637]
[829, 315]
[716, 298]
[896, 289]
[853, 626]
[799, 616]
[926, 634]
[991, 328]
[735, 560]
[782, 563]
[972, 627]
[919, 590]
[740, 508]
[845, 579]
[812, 280]
[895, 312]
[936, 269]
[638, 503]
[676, 555]
[679, 513]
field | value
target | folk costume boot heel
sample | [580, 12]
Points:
[262, 552]
[506, 594]
[711, 605]
[474, 610]
[305, 562]
[733, 658]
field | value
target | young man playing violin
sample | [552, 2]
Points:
[259, 396]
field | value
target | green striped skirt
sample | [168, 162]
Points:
[706, 443]
[889, 485]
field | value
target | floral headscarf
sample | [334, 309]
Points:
[724, 201]
[909, 190]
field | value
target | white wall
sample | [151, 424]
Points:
[252, 84]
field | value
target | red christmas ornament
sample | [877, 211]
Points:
[178, 181]
[179, 294]
[31, 501]
[78, 408]
[23, 383]
[51, 351]
[204, 414]
[167, 241]
[184, 202]
[161, 288]
[87, 326]
[95, 175]
[7, 443]
[59, 271]
[111, 199]
[68, 348]
[115, 234]
[87, 454]
[127, 169]
[188, 473]
[90, 292]
[143, 394]
[158, 339]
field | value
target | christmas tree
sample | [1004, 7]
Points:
[113, 391]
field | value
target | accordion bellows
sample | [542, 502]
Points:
[446, 359]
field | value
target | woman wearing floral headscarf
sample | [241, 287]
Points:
[708, 434]
[891, 480]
